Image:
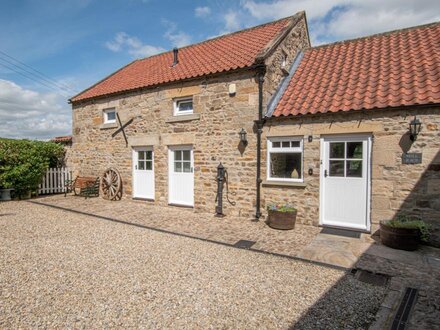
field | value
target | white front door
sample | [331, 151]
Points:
[143, 173]
[345, 182]
[181, 176]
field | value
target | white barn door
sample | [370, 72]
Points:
[143, 173]
[181, 176]
[345, 182]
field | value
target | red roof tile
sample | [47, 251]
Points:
[225, 53]
[61, 139]
[399, 68]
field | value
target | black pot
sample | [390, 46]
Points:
[399, 238]
[281, 220]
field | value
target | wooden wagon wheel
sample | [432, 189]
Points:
[111, 184]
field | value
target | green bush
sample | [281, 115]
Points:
[23, 163]
[405, 221]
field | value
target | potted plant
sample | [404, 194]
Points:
[281, 216]
[5, 192]
[403, 232]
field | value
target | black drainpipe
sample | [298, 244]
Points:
[261, 71]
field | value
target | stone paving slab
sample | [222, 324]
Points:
[331, 249]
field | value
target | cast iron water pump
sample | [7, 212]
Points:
[222, 180]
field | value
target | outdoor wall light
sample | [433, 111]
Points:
[414, 128]
[243, 138]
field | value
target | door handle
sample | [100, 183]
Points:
[135, 167]
[325, 174]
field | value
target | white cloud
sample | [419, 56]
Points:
[282, 8]
[232, 22]
[341, 19]
[177, 38]
[202, 11]
[132, 45]
[382, 16]
[25, 113]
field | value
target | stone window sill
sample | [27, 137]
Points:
[110, 125]
[285, 184]
[176, 119]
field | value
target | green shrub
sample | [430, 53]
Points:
[405, 221]
[23, 163]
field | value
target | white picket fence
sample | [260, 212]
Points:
[54, 181]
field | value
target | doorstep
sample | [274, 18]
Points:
[335, 250]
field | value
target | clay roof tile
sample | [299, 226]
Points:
[399, 68]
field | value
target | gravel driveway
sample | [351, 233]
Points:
[61, 269]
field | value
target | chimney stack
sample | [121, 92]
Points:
[176, 58]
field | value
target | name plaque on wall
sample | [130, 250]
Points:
[412, 158]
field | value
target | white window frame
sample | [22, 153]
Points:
[105, 114]
[286, 150]
[177, 111]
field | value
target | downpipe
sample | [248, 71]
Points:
[261, 71]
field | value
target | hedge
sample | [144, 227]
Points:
[23, 163]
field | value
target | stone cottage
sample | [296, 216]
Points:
[325, 128]
[340, 125]
[185, 109]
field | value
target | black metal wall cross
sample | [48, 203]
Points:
[121, 128]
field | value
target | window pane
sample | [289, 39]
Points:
[149, 155]
[185, 105]
[295, 144]
[276, 144]
[337, 149]
[286, 144]
[141, 155]
[178, 155]
[141, 165]
[111, 115]
[186, 167]
[149, 165]
[177, 167]
[186, 154]
[286, 166]
[336, 168]
[354, 168]
[354, 150]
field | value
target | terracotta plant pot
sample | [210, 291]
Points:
[281, 220]
[399, 238]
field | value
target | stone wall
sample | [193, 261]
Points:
[396, 187]
[296, 41]
[212, 130]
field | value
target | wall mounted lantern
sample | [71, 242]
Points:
[414, 128]
[243, 138]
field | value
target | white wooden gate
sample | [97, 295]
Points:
[54, 181]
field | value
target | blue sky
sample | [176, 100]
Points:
[77, 42]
